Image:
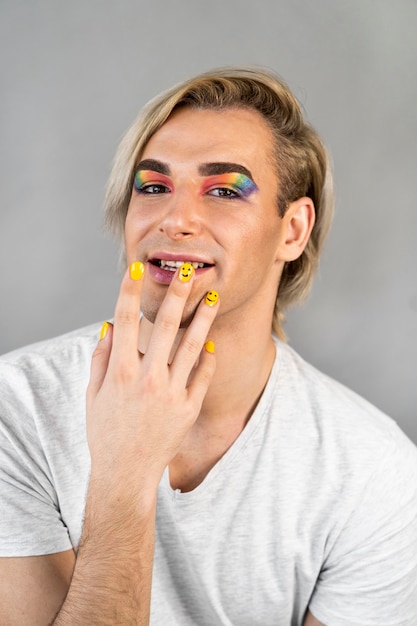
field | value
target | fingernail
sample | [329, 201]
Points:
[211, 298]
[186, 272]
[136, 270]
[209, 346]
[104, 330]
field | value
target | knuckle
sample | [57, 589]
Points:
[151, 383]
[192, 345]
[125, 317]
[167, 324]
[124, 371]
[191, 412]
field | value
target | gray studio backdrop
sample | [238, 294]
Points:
[73, 76]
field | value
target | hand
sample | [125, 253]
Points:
[139, 407]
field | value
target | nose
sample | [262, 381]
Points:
[181, 218]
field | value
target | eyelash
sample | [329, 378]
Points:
[147, 186]
[230, 193]
[159, 188]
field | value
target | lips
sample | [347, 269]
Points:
[174, 265]
[171, 261]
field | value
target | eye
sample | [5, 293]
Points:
[148, 182]
[152, 188]
[224, 192]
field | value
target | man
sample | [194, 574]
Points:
[215, 477]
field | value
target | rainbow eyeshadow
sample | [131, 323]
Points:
[238, 182]
[144, 177]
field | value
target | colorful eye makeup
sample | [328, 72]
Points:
[228, 185]
[144, 178]
[239, 183]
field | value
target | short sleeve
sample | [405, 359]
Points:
[369, 576]
[30, 520]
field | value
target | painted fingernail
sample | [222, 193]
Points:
[136, 270]
[104, 330]
[209, 346]
[186, 272]
[211, 298]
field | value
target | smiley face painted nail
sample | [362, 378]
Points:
[211, 298]
[186, 272]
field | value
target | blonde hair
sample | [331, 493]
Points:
[301, 159]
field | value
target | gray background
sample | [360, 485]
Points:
[73, 76]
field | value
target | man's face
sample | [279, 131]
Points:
[206, 192]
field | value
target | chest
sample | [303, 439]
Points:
[199, 455]
[234, 559]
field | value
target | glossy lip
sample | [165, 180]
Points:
[177, 256]
[163, 276]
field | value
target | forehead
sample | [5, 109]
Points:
[204, 135]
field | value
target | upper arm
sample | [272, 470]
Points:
[32, 589]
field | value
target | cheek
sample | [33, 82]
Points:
[254, 235]
[131, 226]
[136, 226]
[133, 236]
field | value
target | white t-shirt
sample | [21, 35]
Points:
[314, 505]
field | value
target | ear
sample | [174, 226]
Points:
[297, 225]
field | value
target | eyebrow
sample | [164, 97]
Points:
[154, 165]
[205, 169]
[216, 169]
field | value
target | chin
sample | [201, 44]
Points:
[150, 312]
[187, 319]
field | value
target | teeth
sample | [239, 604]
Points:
[173, 265]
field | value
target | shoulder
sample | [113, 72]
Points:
[330, 405]
[46, 372]
[54, 347]
[342, 439]
[64, 349]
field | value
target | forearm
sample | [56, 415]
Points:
[112, 578]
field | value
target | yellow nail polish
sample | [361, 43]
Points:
[209, 346]
[186, 272]
[211, 298]
[136, 270]
[104, 330]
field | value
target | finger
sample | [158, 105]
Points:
[127, 315]
[202, 375]
[169, 316]
[195, 337]
[100, 361]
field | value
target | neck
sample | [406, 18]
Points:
[242, 370]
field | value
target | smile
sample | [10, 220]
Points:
[172, 266]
